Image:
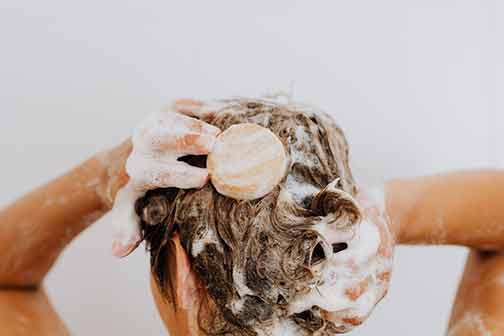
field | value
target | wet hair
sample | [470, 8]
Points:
[253, 257]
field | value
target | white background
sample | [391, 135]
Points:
[414, 84]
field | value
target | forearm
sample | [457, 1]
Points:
[35, 229]
[477, 309]
[458, 208]
[29, 312]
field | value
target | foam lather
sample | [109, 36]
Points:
[283, 242]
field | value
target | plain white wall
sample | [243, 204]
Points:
[413, 83]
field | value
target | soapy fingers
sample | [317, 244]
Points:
[368, 279]
[171, 132]
[150, 173]
[196, 108]
[359, 275]
[372, 273]
[127, 234]
[158, 144]
[180, 141]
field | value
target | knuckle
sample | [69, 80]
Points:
[353, 320]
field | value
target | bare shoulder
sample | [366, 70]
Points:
[28, 312]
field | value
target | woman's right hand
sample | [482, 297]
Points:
[153, 161]
[370, 260]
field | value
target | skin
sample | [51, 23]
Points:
[478, 309]
[188, 293]
[444, 210]
[457, 208]
[158, 144]
[33, 232]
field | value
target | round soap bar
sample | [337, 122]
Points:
[247, 162]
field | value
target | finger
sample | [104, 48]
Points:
[188, 106]
[345, 320]
[153, 173]
[192, 124]
[197, 108]
[162, 128]
[127, 234]
[122, 249]
[180, 142]
[190, 143]
[182, 175]
[199, 126]
[356, 290]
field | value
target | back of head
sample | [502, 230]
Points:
[256, 258]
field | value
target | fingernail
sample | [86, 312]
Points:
[121, 250]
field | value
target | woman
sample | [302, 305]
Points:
[459, 208]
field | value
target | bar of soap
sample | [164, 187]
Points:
[247, 162]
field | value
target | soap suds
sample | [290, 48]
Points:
[299, 191]
[469, 323]
[150, 166]
[208, 238]
[268, 264]
[61, 200]
[341, 274]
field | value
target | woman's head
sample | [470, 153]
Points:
[258, 263]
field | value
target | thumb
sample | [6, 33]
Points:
[127, 234]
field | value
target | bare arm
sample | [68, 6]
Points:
[35, 229]
[455, 209]
[478, 306]
[459, 209]
[28, 312]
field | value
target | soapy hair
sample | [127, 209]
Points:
[253, 257]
